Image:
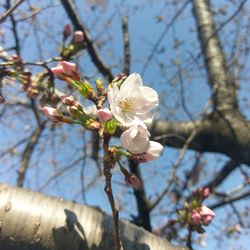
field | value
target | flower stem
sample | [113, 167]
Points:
[107, 166]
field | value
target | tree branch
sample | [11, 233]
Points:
[14, 29]
[4, 16]
[69, 9]
[220, 80]
[143, 205]
[229, 199]
[32, 220]
[228, 135]
[229, 167]
[26, 155]
[126, 45]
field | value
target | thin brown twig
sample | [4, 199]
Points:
[227, 169]
[26, 156]
[126, 42]
[14, 29]
[229, 199]
[4, 16]
[107, 166]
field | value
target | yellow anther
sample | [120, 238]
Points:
[126, 104]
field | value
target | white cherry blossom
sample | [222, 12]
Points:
[133, 103]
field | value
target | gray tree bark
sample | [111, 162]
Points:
[225, 130]
[30, 220]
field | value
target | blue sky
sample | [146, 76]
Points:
[144, 32]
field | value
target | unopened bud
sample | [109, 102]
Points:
[78, 36]
[99, 86]
[133, 181]
[207, 215]
[202, 192]
[104, 115]
[130, 179]
[68, 100]
[66, 31]
[58, 71]
[70, 69]
[86, 89]
[66, 71]
[53, 114]
[196, 217]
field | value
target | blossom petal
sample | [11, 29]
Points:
[145, 97]
[104, 114]
[154, 150]
[135, 139]
[133, 81]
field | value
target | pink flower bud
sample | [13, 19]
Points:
[53, 114]
[133, 181]
[57, 71]
[207, 219]
[205, 192]
[69, 100]
[196, 217]
[78, 36]
[66, 31]
[206, 214]
[104, 115]
[69, 69]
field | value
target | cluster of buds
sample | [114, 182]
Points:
[195, 214]
[202, 215]
[27, 82]
[68, 72]
[31, 84]
[236, 228]
[78, 36]
[77, 42]
[76, 114]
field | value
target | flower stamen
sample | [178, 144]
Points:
[126, 104]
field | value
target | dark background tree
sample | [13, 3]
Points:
[195, 53]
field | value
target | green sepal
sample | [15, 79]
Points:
[111, 126]
[84, 87]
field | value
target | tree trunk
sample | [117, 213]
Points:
[30, 220]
